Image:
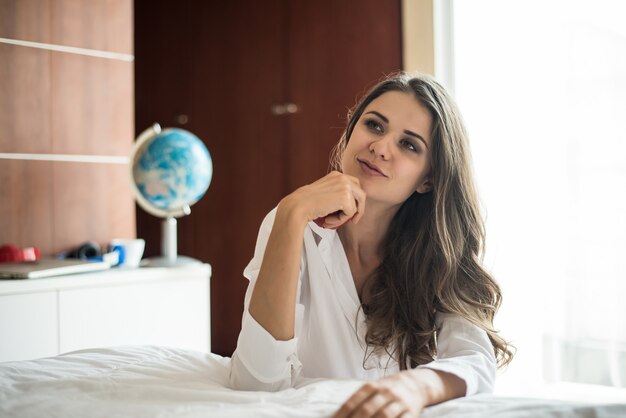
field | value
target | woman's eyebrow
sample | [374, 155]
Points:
[406, 131]
[379, 115]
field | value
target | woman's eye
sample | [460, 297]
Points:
[409, 145]
[374, 125]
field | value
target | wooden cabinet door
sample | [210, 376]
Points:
[225, 65]
[337, 50]
[239, 73]
[222, 65]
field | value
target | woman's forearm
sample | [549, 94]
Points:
[437, 386]
[273, 300]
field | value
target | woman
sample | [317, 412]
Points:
[373, 271]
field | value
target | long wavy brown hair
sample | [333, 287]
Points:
[432, 253]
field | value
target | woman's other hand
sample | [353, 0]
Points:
[402, 395]
[331, 201]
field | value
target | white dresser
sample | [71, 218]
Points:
[161, 306]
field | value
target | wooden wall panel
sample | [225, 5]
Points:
[24, 99]
[92, 105]
[58, 205]
[105, 25]
[26, 197]
[63, 103]
[27, 20]
[96, 198]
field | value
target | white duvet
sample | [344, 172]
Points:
[148, 381]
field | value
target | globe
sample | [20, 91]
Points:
[171, 169]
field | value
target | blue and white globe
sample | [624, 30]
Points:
[171, 170]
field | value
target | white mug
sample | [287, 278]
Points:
[133, 250]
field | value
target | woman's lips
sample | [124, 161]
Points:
[370, 168]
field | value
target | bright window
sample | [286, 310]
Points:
[542, 87]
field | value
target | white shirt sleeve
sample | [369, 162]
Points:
[260, 362]
[464, 350]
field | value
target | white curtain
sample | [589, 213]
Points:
[542, 87]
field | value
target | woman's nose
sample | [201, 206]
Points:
[381, 148]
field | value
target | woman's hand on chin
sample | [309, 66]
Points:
[331, 201]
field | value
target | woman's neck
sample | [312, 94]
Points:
[362, 241]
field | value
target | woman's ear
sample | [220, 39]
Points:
[426, 185]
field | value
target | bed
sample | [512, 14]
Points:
[151, 381]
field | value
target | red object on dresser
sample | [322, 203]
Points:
[10, 253]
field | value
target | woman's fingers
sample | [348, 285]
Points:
[372, 401]
[384, 398]
[393, 409]
[355, 401]
[353, 209]
[360, 197]
[332, 200]
[373, 406]
[335, 220]
[353, 200]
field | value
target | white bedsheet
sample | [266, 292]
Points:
[149, 381]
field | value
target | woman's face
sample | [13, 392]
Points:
[390, 147]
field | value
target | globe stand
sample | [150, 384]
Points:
[161, 165]
[169, 248]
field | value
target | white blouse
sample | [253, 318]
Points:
[330, 329]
